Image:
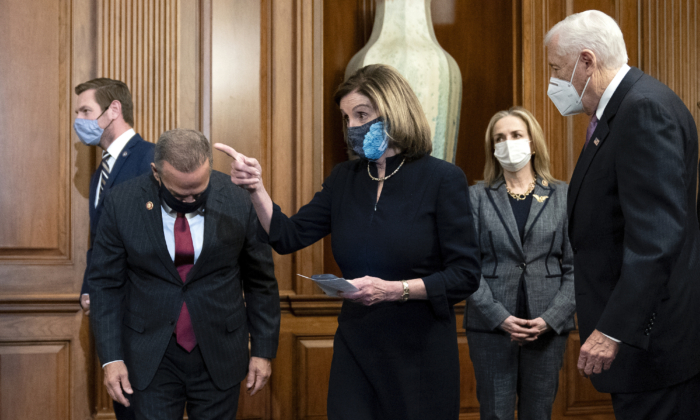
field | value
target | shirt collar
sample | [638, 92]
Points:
[118, 144]
[611, 89]
[172, 213]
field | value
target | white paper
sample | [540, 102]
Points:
[331, 284]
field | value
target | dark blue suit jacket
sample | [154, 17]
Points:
[634, 232]
[134, 160]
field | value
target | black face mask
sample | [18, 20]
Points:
[179, 206]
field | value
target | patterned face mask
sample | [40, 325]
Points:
[369, 140]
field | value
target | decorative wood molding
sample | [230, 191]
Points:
[60, 303]
[139, 40]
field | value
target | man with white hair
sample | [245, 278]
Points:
[632, 223]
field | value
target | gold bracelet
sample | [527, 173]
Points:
[406, 292]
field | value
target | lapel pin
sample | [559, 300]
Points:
[544, 183]
[596, 142]
[540, 199]
[149, 205]
[125, 154]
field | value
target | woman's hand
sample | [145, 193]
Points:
[372, 290]
[519, 329]
[540, 325]
[245, 171]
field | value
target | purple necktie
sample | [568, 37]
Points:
[184, 260]
[591, 128]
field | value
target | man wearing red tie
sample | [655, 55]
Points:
[632, 223]
[179, 280]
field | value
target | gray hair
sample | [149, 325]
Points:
[186, 150]
[592, 30]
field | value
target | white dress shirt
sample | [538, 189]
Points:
[612, 87]
[196, 222]
[114, 150]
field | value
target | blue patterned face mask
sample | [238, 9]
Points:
[369, 140]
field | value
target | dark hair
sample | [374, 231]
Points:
[107, 91]
[186, 150]
[394, 101]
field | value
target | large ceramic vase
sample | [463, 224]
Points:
[403, 37]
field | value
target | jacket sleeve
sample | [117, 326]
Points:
[107, 278]
[563, 305]
[261, 292]
[652, 192]
[311, 223]
[492, 310]
[461, 271]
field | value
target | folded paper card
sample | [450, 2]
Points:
[331, 284]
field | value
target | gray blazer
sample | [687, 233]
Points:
[545, 255]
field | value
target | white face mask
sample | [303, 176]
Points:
[564, 96]
[513, 154]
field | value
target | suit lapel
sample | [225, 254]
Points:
[499, 199]
[154, 223]
[119, 163]
[600, 134]
[538, 205]
[214, 205]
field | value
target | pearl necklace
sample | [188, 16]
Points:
[384, 178]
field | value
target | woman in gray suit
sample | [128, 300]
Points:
[518, 320]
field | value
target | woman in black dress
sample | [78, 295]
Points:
[402, 229]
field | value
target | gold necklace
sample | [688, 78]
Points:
[521, 197]
[384, 178]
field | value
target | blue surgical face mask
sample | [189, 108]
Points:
[369, 140]
[89, 131]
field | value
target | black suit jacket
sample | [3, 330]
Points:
[134, 160]
[634, 232]
[137, 292]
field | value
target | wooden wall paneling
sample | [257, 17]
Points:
[314, 355]
[302, 367]
[35, 155]
[670, 43]
[347, 26]
[235, 78]
[25, 392]
[139, 47]
[294, 145]
[478, 35]
[44, 177]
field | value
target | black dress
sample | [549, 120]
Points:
[393, 360]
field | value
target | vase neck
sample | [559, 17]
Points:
[410, 18]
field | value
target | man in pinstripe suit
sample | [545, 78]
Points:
[179, 280]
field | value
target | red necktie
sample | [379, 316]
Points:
[184, 260]
[591, 128]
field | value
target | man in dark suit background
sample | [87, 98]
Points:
[179, 279]
[632, 223]
[104, 118]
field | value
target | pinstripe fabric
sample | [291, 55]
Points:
[131, 264]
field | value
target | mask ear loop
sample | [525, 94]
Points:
[571, 82]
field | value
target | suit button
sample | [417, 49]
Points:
[521, 266]
[172, 322]
[184, 288]
[646, 333]
[575, 250]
